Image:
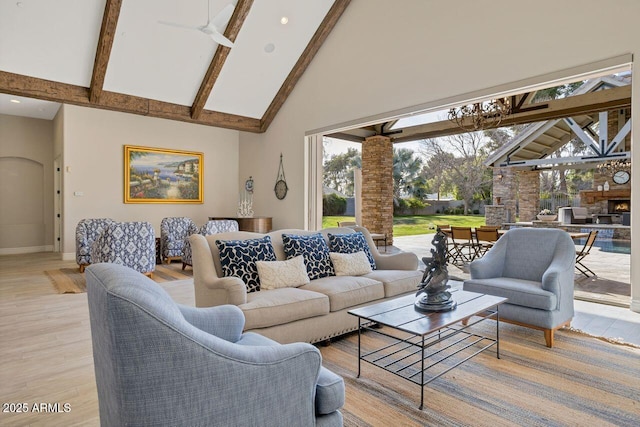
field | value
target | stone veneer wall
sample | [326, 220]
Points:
[377, 186]
[529, 194]
[495, 215]
[504, 189]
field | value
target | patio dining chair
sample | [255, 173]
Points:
[464, 245]
[485, 238]
[582, 253]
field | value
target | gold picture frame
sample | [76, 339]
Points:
[158, 175]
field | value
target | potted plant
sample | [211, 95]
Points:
[547, 215]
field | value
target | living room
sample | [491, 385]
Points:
[380, 60]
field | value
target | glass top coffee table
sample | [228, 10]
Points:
[421, 347]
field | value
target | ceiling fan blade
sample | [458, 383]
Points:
[173, 24]
[220, 39]
[223, 17]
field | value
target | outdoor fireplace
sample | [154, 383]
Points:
[619, 206]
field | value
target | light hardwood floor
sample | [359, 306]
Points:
[46, 355]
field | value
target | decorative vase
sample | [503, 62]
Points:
[606, 186]
[599, 187]
[547, 217]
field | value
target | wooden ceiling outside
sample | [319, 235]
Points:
[96, 97]
[588, 103]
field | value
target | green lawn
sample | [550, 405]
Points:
[416, 224]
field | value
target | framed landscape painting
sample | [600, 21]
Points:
[157, 175]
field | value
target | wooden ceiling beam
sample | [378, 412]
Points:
[32, 87]
[329, 21]
[219, 58]
[592, 102]
[103, 52]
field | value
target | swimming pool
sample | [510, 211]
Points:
[609, 245]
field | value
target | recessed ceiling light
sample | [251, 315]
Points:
[269, 47]
[15, 101]
[284, 20]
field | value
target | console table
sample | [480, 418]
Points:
[256, 224]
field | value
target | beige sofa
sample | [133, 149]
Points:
[310, 313]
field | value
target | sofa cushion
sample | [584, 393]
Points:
[526, 293]
[290, 273]
[347, 291]
[315, 251]
[350, 243]
[284, 305]
[397, 282]
[238, 258]
[355, 264]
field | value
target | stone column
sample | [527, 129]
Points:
[505, 183]
[529, 194]
[377, 186]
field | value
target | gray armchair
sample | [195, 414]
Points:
[164, 364]
[534, 268]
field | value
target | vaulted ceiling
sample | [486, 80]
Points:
[117, 55]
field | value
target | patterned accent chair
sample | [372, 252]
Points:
[173, 233]
[183, 365]
[211, 227]
[87, 231]
[132, 244]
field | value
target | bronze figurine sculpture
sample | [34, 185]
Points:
[434, 280]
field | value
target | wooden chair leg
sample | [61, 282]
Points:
[465, 321]
[548, 337]
[81, 268]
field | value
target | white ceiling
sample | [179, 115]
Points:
[56, 40]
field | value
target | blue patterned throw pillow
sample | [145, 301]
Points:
[238, 258]
[351, 243]
[315, 251]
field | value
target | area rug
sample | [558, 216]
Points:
[71, 281]
[581, 381]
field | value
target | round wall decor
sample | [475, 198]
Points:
[281, 186]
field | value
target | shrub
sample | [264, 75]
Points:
[332, 205]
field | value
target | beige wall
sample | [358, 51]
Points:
[26, 184]
[424, 52]
[93, 165]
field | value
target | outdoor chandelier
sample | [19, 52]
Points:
[480, 115]
[612, 166]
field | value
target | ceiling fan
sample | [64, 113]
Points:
[214, 26]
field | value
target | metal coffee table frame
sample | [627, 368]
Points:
[432, 339]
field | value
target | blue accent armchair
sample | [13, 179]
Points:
[132, 244]
[164, 364]
[210, 227]
[174, 231]
[534, 269]
[87, 231]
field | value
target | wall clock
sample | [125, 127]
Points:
[621, 177]
[281, 187]
[248, 185]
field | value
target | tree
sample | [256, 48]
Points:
[457, 162]
[338, 171]
[406, 174]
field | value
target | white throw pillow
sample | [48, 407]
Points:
[282, 274]
[355, 264]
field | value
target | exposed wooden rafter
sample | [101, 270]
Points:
[592, 102]
[103, 52]
[329, 21]
[222, 52]
[32, 87]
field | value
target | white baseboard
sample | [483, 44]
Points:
[68, 256]
[26, 250]
[635, 305]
